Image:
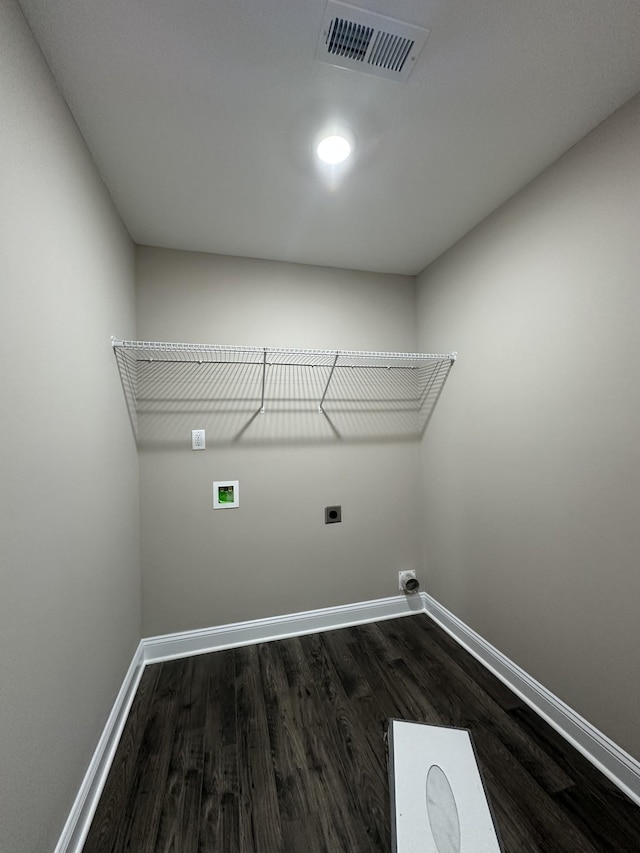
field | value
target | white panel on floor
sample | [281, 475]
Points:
[439, 804]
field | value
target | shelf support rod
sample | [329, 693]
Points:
[326, 387]
[264, 376]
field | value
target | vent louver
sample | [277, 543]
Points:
[366, 41]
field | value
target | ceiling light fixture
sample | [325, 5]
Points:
[333, 149]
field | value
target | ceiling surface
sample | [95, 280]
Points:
[201, 117]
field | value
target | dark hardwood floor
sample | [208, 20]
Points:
[280, 747]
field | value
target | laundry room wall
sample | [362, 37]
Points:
[532, 468]
[69, 547]
[273, 554]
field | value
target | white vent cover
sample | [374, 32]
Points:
[366, 41]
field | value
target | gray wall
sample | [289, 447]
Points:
[203, 567]
[532, 467]
[69, 573]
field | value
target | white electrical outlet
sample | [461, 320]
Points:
[197, 439]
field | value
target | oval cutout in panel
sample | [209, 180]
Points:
[442, 811]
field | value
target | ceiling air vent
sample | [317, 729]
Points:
[366, 41]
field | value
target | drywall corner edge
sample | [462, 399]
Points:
[75, 830]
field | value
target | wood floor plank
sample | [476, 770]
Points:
[606, 829]
[289, 745]
[141, 818]
[341, 816]
[535, 810]
[349, 671]
[602, 811]
[260, 825]
[368, 793]
[113, 803]
[499, 692]
[371, 705]
[570, 760]
[177, 831]
[218, 822]
[330, 782]
[385, 678]
[480, 707]
[302, 691]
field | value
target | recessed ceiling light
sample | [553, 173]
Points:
[333, 149]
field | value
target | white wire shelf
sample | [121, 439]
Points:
[360, 394]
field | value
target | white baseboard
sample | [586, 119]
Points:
[77, 826]
[607, 756]
[186, 643]
[614, 762]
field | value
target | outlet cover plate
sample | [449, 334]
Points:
[197, 439]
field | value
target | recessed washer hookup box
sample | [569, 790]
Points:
[438, 800]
